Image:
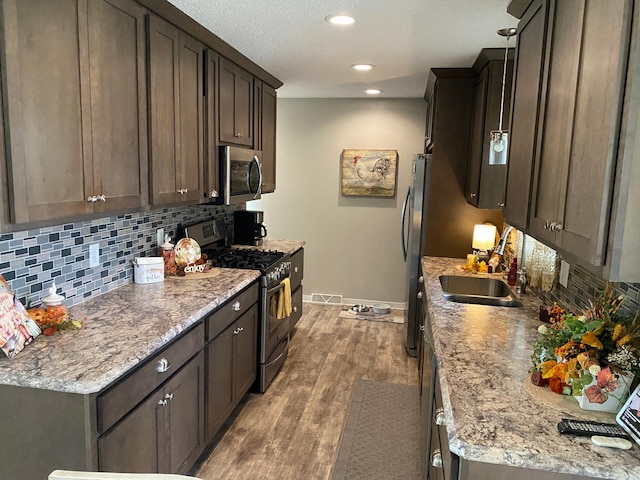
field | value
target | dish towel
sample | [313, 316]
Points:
[284, 300]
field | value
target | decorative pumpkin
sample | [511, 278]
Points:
[37, 315]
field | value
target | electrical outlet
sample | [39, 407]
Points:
[564, 273]
[94, 255]
[159, 236]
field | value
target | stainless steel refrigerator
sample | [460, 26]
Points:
[414, 239]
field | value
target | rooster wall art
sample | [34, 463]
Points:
[369, 172]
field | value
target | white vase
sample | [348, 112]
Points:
[615, 400]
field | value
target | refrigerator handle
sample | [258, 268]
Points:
[402, 225]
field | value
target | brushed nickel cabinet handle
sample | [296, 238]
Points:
[169, 396]
[419, 295]
[236, 307]
[162, 402]
[102, 198]
[295, 309]
[438, 416]
[92, 199]
[472, 195]
[436, 458]
[214, 193]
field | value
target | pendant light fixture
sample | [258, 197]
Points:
[500, 137]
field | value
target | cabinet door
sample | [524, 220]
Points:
[477, 137]
[524, 115]
[49, 157]
[164, 109]
[268, 138]
[189, 168]
[117, 80]
[176, 103]
[245, 352]
[131, 445]
[184, 410]
[558, 117]
[219, 380]
[598, 111]
[236, 104]
[212, 160]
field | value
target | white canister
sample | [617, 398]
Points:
[148, 269]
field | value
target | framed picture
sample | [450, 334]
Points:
[369, 173]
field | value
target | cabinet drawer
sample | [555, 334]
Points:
[126, 394]
[297, 269]
[229, 311]
[296, 304]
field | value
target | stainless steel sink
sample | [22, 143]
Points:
[481, 290]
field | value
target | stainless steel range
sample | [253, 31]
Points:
[275, 267]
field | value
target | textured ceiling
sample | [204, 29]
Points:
[402, 38]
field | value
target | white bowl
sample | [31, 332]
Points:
[381, 308]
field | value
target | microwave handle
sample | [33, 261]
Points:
[259, 189]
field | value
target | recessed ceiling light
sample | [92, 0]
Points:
[362, 67]
[373, 91]
[340, 19]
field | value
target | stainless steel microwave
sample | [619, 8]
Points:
[241, 174]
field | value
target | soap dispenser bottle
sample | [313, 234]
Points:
[513, 272]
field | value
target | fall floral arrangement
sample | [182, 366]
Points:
[602, 344]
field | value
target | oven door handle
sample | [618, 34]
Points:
[273, 290]
[284, 352]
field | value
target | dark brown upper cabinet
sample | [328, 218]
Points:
[176, 115]
[235, 104]
[525, 106]
[265, 98]
[75, 107]
[485, 182]
[571, 145]
[211, 154]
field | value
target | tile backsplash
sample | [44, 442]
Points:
[30, 260]
[582, 286]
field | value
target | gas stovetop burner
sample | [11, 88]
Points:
[245, 258]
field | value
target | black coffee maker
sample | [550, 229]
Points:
[248, 228]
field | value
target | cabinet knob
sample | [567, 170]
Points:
[102, 198]
[214, 194]
[182, 191]
[419, 295]
[236, 306]
[295, 309]
[438, 416]
[422, 328]
[92, 199]
[163, 365]
[436, 458]
[420, 279]
[500, 204]
[169, 396]
[162, 402]
[238, 330]
[473, 195]
[295, 269]
[557, 227]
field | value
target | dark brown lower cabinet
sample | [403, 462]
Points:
[232, 367]
[165, 433]
[297, 273]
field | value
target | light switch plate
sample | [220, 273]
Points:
[94, 255]
[564, 273]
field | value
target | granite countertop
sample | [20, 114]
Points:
[121, 329]
[285, 246]
[483, 357]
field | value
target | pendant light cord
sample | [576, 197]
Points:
[504, 81]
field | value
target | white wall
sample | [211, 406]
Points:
[353, 243]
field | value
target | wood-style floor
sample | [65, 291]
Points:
[293, 430]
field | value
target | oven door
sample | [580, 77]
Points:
[274, 329]
[241, 174]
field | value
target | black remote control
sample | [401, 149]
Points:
[587, 429]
